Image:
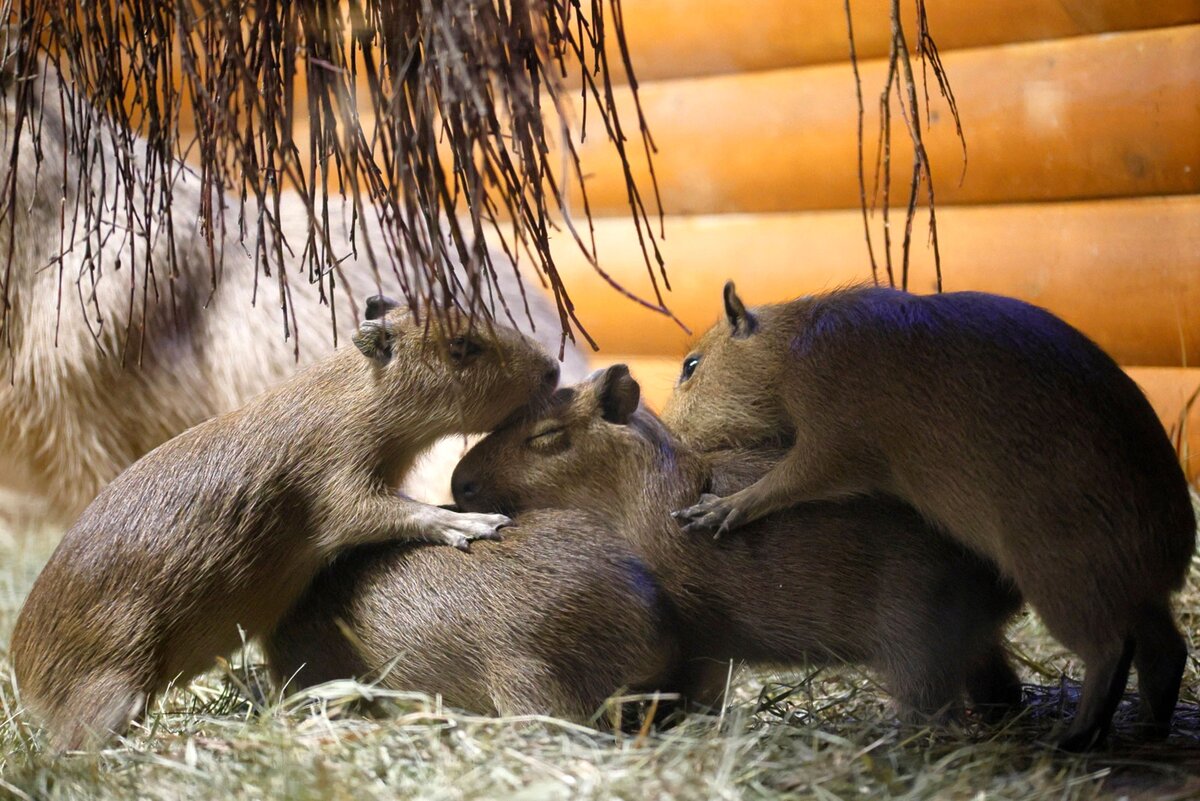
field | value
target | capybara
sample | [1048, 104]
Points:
[1000, 423]
[861, 581]
[225, 525]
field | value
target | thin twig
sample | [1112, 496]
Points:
[862, 184]
[899, 76]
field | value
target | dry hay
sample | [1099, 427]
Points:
[813, 733]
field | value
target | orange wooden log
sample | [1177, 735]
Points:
[1175, 395]
[1096, 116]
[1171, 391]
[683, 38]
[1126, 272]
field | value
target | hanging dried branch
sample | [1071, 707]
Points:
[862, 183]
[900, 78]
[429, 114]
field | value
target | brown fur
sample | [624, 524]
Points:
[864, 581]
[227, 523]
[551, 621]
[81, 402]
[996, 420]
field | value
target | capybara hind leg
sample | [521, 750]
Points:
[993, 685]
[1103, 685]
[1160, 656]
[927, 695]
[702, 682]
[95, 712]
[1094, 624]
[528, 687]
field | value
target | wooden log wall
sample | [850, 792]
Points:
[1081, 191]
[1088, 117]
[684, 38]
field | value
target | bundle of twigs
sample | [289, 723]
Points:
[430, 114]
[901, 79]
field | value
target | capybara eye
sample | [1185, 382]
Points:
[689, 367]
[463, 349]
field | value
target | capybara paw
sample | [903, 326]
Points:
[468, 526]
[711, 514]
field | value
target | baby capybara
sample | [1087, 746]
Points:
[1000, 423]
[225, 525]
[865, 581]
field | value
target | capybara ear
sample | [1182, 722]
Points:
[618, 394]
[741, 322]
[375, 341]
[379, 305]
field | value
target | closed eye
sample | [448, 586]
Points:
[546, 437]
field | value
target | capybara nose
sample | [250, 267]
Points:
[551, 376]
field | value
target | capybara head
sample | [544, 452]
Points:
[726, 393]
[570, 454]
[480, 373]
